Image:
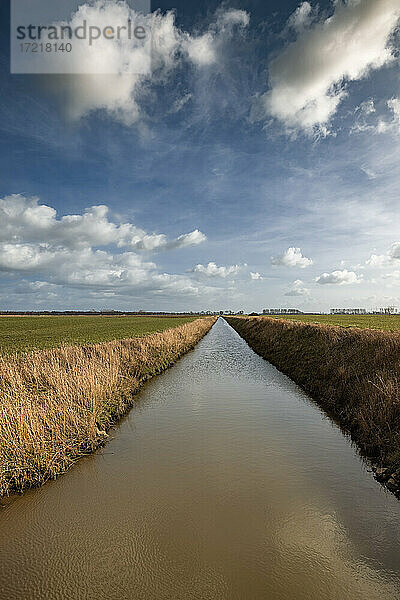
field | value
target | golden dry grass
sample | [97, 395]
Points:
[57, 405]
[353, 373]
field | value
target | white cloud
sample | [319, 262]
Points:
[227, 19]
[394, 251]
[120, 94]
[256, 276]
[25, 220]
[187, 239]
[291, 258]
[339, 278]
[302, 17]
[212, 270]
[391, 257]
[297, 289]
[367, 120]
[71, 250]
[28, 257]
[394, 105]
[367, 107]
[308, 79]
[368, 172]
[201, 50]
[393, 275]
[180, 103]
[378, 260]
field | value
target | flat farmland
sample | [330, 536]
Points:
[23, 333]
[385, 323]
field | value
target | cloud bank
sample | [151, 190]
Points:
[86, 250]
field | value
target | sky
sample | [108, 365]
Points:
[254, 164]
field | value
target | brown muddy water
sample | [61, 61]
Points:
[225, 482]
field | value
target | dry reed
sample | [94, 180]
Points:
[354, 374]
[56, 405]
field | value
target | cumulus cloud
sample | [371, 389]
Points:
[256, 276]
[292, 257]
[297, 289]
[308, 78]
[23, 220]
[378, 260]
[187, 239]
[84, 250]
[339, 278]
[201, 50]
[392, 257]
[116, 73]
[213, 270]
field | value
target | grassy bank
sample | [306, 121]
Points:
[352, 373]
[57, 405]
[23, 333]
[382, 322]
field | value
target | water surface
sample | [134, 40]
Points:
[224, 482]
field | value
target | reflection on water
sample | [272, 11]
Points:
[225, 482]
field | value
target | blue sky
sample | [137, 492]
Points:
[256, 166]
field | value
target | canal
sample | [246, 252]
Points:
[225, 482]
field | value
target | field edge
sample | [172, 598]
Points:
[59, 404]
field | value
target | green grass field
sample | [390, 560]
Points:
[387, 323]
[19, 334]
